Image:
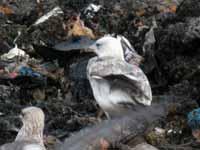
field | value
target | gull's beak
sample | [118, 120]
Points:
[75, 43]
[91, 48]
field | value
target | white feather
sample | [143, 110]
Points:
[33, 147]
[53, 12]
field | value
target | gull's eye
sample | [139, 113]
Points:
[98, 45]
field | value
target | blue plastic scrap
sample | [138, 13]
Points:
[25, 71]
[193, 119]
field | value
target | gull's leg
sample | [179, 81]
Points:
[107, 115]
[100, 114]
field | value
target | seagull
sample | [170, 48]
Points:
[117, 85]
[30, 136]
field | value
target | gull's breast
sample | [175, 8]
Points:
[109, 99]
[33, 147]
[101, 91]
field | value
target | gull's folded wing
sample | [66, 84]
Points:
[127, 77]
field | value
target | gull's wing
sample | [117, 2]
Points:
[130, 54]
[123, 76]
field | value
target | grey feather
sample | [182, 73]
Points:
[120, 78]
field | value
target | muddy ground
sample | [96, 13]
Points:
[172, 63]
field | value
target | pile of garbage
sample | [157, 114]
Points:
[33, 72]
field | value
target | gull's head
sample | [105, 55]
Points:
[33, 124]
[33, 115]
[108, 47]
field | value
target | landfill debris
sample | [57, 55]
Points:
[76, 28]
[14, 53]
[159, 131]
[144, 146]
[91, 9]
[156, 136]
[6, 75]
[39, 94]
[54, 12]
[194, 123]
[6, 10]
[25, 71]
[150, 38]
[194, 119]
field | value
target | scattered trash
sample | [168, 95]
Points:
[6, 75]
[39, 94]
[54, 12]
[50, 66]
[156, 136]
[91, 10]
[14, 53]
[194, 123]
[25, 71]
[194, 119]
[6, 10]
[150, 39]
[144, 146]
[76, 28]
[159, 131]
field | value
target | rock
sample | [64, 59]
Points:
[144, 146]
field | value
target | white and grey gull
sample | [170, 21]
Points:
[116, 84]
[30, 136]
